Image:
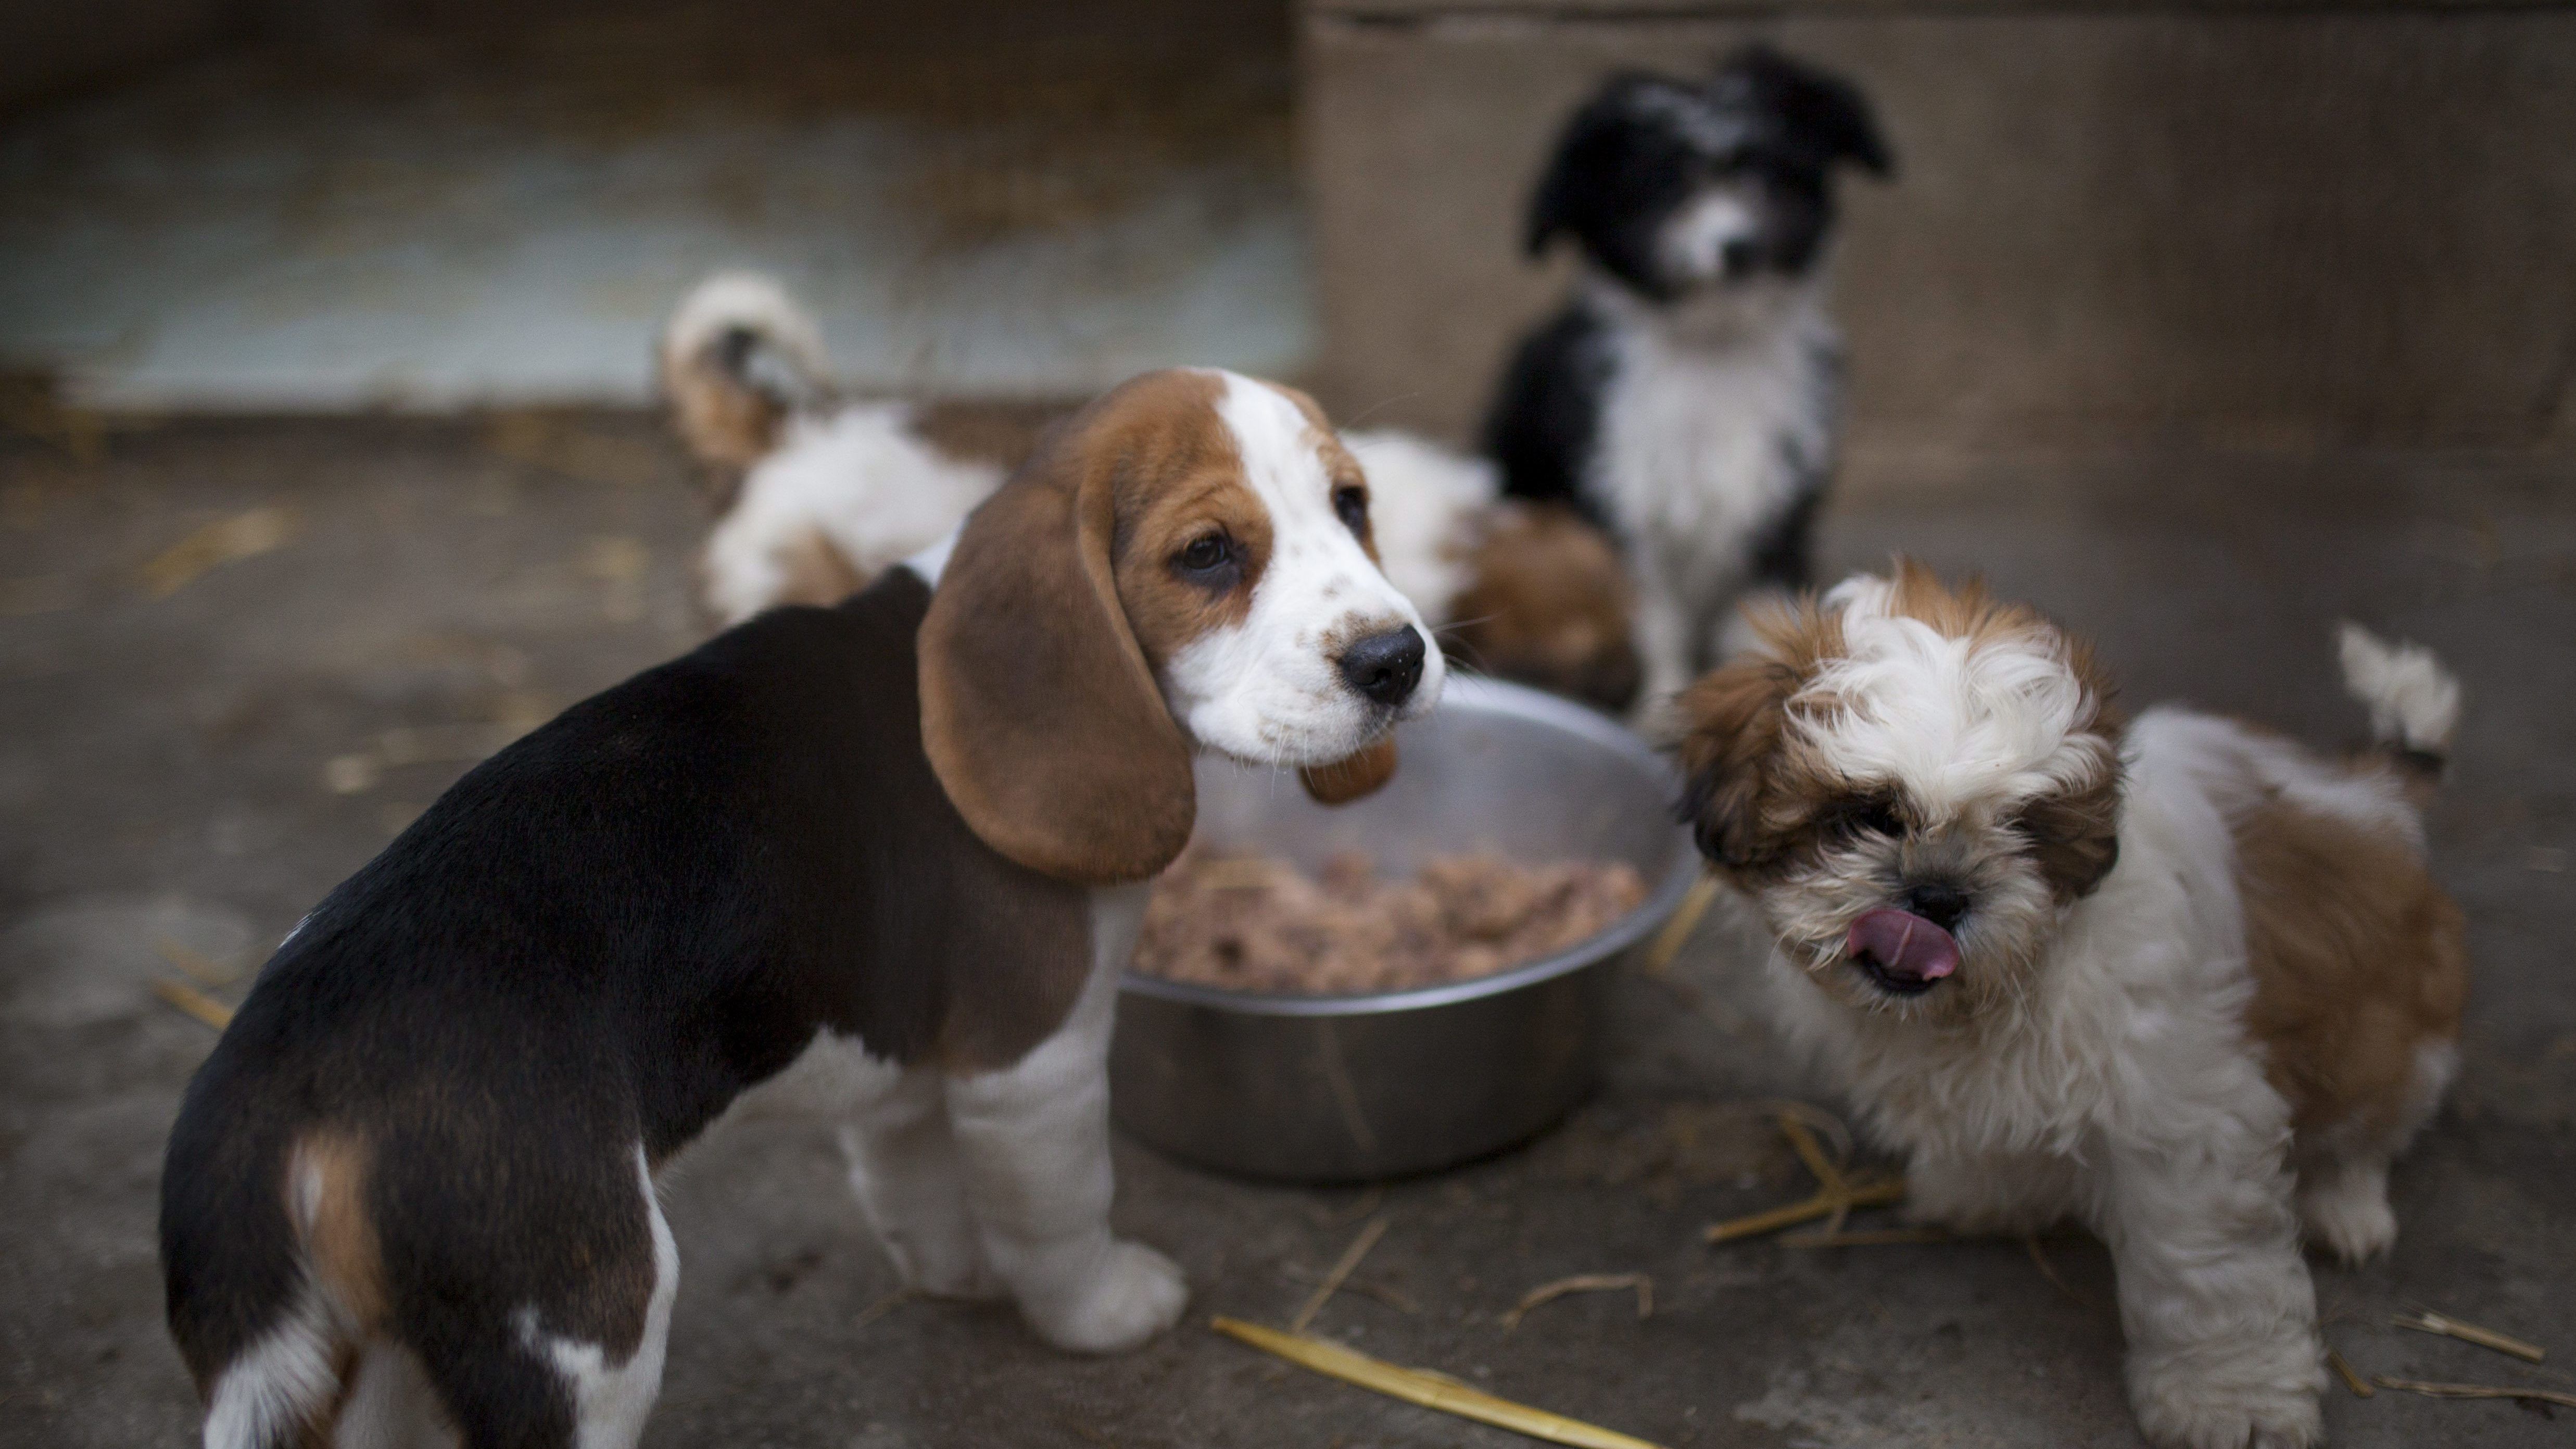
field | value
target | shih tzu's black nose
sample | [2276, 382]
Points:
[1385, 667]
[1940, 904]
[1737, 257]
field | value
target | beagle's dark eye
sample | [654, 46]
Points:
[1352, 505]
[1205, 554]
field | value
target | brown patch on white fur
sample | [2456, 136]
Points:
[1969, 612]
[1179, 477]
[812, 571]
[2359, 962]
[1039, 707]
[1352, 776]
[1548, 603]
[2074, 834]
[326, 1184]
[1750, 790]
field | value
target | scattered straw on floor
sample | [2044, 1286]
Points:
[1430, 1390]
[206, 970]
[1341, 1271]
[1836, 1195]
[226, 540]
[883, 1306]
[194, 1002]
[2477, 1391]
[1867, 1238]
[2352, 1379]
[2048, 1270]
[2427, 1321]
[1585, 1283]
[1668, 942]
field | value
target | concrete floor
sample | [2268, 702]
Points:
[188, 759]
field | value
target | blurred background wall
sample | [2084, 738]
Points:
[2223, 224]
[2283, 226]
[424, 205]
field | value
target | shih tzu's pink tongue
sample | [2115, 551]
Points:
[1903, 944]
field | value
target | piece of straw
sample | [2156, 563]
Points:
[1827, 1173]
[1584, 1283]
[2351, 1377]
[2428, 1321]
[1823, 1205]
[2476, 1391]
[883, 1306]
[2048, 1270]
[226, 540]
[1417, 1387]
[207, 971]
[194, 1002]
[1668, 941]
[1871, 1238]
[1332, 1283]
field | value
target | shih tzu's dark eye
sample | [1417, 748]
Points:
[1207, 554]
[1351, 504]
[1868, 817]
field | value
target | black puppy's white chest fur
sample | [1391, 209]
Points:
[1688, 396]
[1701, 434]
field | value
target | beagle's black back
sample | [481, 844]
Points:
[592, 943]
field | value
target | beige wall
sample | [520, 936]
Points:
[2114, 227]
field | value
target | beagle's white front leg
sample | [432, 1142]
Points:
[1033, 1139]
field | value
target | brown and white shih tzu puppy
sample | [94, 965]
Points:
[2182, 979]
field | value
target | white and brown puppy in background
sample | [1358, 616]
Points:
[2185, 981]
[816, 495]
[890, 856]
[1688, 398]
[1528, 592]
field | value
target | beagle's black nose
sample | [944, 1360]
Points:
[1385, 667]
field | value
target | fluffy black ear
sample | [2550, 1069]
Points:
[1596, 160]
[1821, 113]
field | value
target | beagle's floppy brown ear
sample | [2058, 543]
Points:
[1038, 711]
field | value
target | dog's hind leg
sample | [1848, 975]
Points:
[910, 1181]
[391, 1404]
[2343, 1170]
[542, 1325]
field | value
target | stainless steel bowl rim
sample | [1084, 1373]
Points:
[1484, 696]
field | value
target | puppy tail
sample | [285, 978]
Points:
[2414, 702]
[738, 359]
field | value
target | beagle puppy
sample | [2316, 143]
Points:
[815, 495]
[890, 856]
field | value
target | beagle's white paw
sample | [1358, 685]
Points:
[1133, 1294]
[945, 1265]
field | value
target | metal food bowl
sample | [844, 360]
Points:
[1351, 1088]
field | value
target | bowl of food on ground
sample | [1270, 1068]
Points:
[1409, 981]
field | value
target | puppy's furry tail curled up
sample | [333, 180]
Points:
[2414, 702]
[738, 359]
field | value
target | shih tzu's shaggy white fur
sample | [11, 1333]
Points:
[2181, 979]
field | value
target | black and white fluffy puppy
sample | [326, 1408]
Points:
[890, 855]
[1687, 398]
